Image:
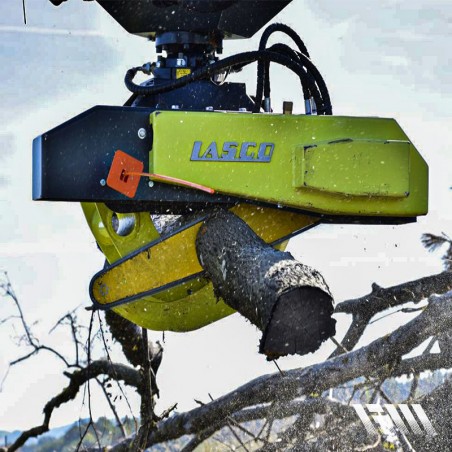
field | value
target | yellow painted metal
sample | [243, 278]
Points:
[226, 151]
[382, 167]
[115, 246]
[161, 264]
[190, 305]
[330, 165]
[182, 314]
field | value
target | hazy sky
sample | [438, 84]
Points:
[379, 58]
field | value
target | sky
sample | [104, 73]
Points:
[383, 58]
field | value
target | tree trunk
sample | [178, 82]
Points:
[129, 336]
[288, 301]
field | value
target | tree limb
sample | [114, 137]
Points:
[385, 351]
[31, 341]
[112, 407]
[77, 379]
[130, 338]
[147, 407]
[380, 299]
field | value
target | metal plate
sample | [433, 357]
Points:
[72, 161]
[358, 167]
[262, 158]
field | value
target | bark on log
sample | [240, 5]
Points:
[288, 301]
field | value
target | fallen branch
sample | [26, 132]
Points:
[380, 299]
[383, 352]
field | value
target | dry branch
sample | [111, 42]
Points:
[77, 379]
[382, 353]
[29, 339]
[276, 396]
[380, 299]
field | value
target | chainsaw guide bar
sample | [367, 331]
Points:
[170, 262]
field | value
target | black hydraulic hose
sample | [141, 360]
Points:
[284, 29]
[262, 72]
[293, 54]
[235, 60]
[324, 106]
[262, 68]
[315, 75]
[312, 69]
[261, 76]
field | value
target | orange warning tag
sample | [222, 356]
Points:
[119, 177]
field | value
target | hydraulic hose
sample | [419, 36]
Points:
[229, 62]
[263, 69]
[291, 53]
[325, 103]
[283, 29]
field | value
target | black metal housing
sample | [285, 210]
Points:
[71, 162]
[231, 18]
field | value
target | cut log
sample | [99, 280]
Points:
[287, 300]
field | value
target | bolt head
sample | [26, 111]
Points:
[142, 133]
[103, 182]
[150, 184]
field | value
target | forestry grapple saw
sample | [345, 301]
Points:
[188, 141]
